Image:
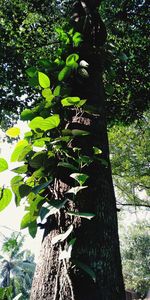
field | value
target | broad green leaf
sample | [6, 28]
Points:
[47, 93]
[18, 149]
[57, 91]
[85, 268]
[33, 229]
[44, 80]
[3, 165]
[5, 198]
[26, 220]
[81, 103]
[45, 124]
[78, 132]
[16, 181]
[80, 177]
[85, 215]
[67, 165]
[76, 189]
[36, 123]
[13, 132]
[70, 101]
[63, 236]
[24, 152]
[20, 170]
[42, 186]
[31, 71]
[64, 73]
[71, 59]
[24, 190]
[41, 142]
[27, 115]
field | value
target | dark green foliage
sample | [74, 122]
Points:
[30, 36]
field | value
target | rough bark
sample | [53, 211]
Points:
[97, 243]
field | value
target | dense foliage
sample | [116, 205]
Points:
[135, 244]
[17, 268]
[129, 147]
[28, 35]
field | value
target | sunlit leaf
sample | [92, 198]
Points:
[3, 165]
[71, 59]
[13, 132]
[76, 189]
[44, 80]
[47, 93]
[26, 220]
[5, 198]
[70, 101]
[80, 177]
[45, 124]
[18, 149]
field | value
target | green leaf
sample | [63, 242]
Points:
[80, 177]
[16, 181]
[47, 93]
[24, 152]
[42, 186]
[64, 73]
[57, 91]
[45, 124]
[13, 132]
[70, 101]
[78, 132]
[67, 165]
[63, 236]
[26, 220]
[85, 215]
[85, 268]
[33, 229]
[20, 170]
[76, 189]
[3, 165]
[71, 59]
[31, 72]
[18, 149]
[27, 115]
[24, 190]
[5, 198]
[44, 80]
[77, 39]
[81, 103]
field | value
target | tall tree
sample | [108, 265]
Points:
[96, 249]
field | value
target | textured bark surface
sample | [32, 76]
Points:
[97, 243]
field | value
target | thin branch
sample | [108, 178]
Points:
[133, 204]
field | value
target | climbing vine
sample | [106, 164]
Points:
[53, 172]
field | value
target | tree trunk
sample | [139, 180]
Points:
[97, 243]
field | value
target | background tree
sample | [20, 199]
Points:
[17, 266]
[129, 147]
[135, 243]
